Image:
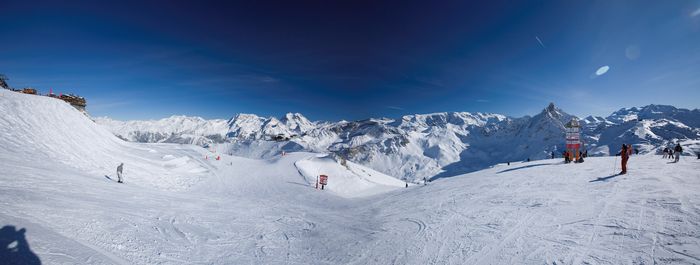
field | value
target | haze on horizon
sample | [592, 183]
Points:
[354, 60]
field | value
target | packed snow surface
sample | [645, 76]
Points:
[179, 205]
[350, 180]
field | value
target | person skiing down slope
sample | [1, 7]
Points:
[625, 152]
[120, 168]
[679, 151]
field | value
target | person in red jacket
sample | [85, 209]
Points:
[625, 152]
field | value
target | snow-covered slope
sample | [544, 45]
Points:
[349, 180]
[58, 206]
[53, 132]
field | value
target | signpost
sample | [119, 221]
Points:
[323, 181]
[573, 139]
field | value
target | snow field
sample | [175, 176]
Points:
[179, 208]
[348, 181]
[49, 130]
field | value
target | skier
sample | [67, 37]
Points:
[625, 152]
[679, 151]
[552, 154]
[665, 153]
[670, 153]
[120, 168]
[580, 157]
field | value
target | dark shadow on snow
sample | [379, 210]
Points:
[107, 177]
[14, 248]
[300, 184]
[523, 167]
[605, 178]
[456, 169]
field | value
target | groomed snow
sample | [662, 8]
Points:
[179, 208]
[351, 180]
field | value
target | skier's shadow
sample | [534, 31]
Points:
[14, 248]
[523, 167]
[605, 178]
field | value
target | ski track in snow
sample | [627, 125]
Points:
[481, 218]
[178, 208]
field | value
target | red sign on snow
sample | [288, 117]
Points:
[323, 179]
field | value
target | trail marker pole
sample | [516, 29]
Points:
[573, 139]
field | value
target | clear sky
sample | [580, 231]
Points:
[333, 60]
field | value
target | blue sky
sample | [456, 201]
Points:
[333, 60]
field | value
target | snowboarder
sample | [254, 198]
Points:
[120, 168]
[678, 150]
[625, 152]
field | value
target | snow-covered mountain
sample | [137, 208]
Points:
[423, 145]
[175, 129]
[648, 128]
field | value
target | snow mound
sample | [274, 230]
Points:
[36, 128]
[348, 181]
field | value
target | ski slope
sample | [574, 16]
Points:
[179, 208]
[348, 181]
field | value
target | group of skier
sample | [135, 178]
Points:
[674, 153]
[569, 156]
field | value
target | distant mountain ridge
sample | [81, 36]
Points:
[424, 145]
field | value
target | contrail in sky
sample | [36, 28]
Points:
[695, 13]
[540, 41]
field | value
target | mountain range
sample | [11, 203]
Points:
[427, 146]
